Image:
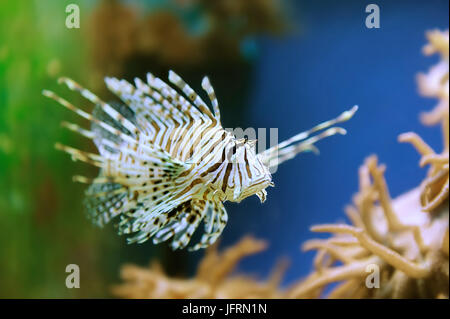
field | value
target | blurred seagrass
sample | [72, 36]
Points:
[43, 227]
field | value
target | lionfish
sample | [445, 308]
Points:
[166, 163]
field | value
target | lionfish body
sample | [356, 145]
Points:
[166, 163]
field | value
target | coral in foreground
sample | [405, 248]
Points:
[409, 246]
[407, 237]
[212, 279]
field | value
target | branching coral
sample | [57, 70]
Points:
[405, 238]
[434, 189]
[394, 235]
[212, 279]
[435, 84]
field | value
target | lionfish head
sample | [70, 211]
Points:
[257, 176]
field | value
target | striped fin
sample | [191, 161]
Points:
[104, 139]
[108, 109]
[206, 85]
[156, 115]
[144, 184]
[287, 149]
[171, 224]
[176, 124]
[215, 221]
[186, 220]
[187, 223]
[114, 131]
[190, 93]
[105, 201]
[86, 157]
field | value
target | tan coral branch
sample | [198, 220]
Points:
[388, 255]
[332, 250]
[315, 281]
[383, 193]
